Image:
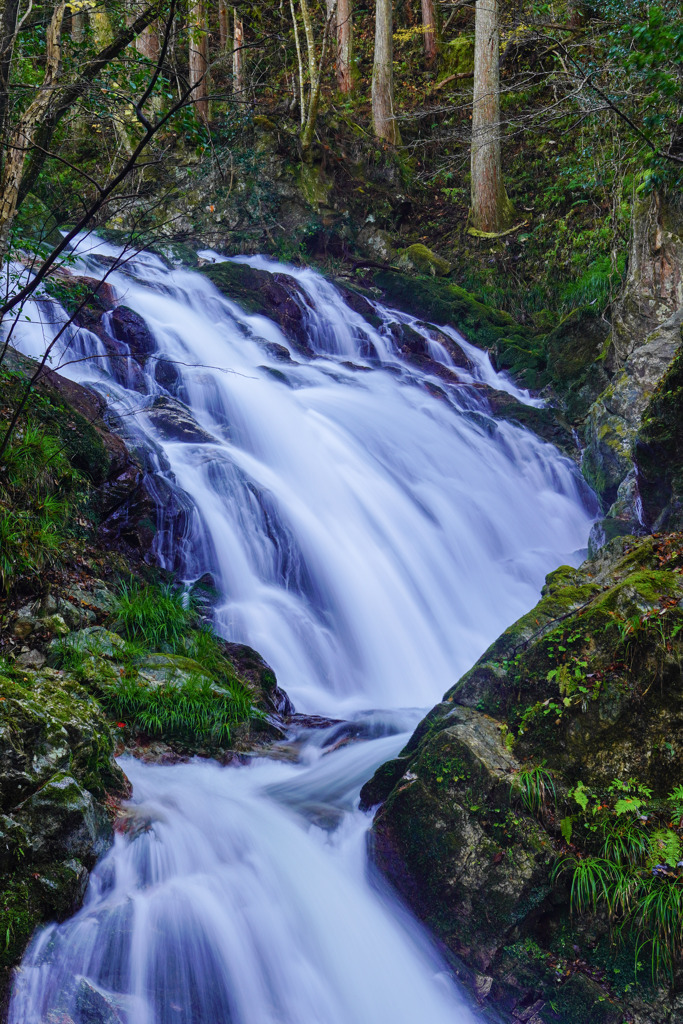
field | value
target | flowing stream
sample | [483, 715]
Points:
[370, 529]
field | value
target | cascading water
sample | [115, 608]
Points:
[371, 529]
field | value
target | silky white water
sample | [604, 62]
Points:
[370, 529]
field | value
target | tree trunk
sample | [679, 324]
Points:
[491, 208]
[238, 54]
[429, 29]
[344, 45]
[300, 64]
[9, 10]
[78, 22]
[147, 43]
[199, 58]
[315, 70]
[20, 141]
[384, 121]
[223, 23]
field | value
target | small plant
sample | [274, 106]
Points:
[535, 786]
[155, 615]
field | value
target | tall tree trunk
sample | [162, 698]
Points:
[384, 121]
[9, 11]
[238, 54]
[223, 23]
[344, 45]
[315, 70]
[199, 57]
[78, 22]
[300, 63]
[20, 142]
[491, 208]
[429, 29]
[147, 43]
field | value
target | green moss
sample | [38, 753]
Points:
[436, 300]
[422, 260]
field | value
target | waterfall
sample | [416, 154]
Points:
[370, 528]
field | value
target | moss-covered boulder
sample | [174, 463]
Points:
[274, 295]
[419, 259]
[57, 783]
[584, 694]
[659, 453]
[439, 301]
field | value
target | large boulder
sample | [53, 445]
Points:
[584, 694]
[58, 782]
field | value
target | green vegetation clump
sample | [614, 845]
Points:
[161, 670]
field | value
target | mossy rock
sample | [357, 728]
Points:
[658, 453]
[421, 260]
[439, 301]
[587, 685]
[56, 772]
[457, 56]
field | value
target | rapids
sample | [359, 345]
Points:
[370, 529]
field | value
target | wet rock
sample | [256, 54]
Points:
[276, 296]
[129, 327]
[175, 422]
[56, 772]
[95, 1005]
[658, 453]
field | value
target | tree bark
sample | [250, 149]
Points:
[238, 54]
[223, 23]
[147, 43]
[344, 45]
[199, 58]
[429, 29]
[315, 70]
[300, 64]
[9, 11]
[491, 209]
[21, 138]
[383, 117]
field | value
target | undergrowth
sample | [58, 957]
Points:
[40, 494]
[202, 698]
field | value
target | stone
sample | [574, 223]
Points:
[421, 260]
[129, 327]
[30, 659]
[175, 422]
[377, 243]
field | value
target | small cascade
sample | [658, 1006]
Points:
[370, 528]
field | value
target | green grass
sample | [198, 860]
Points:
[199, 707]
[195, 711]
[158, 616]
[535, 786]
[39, 495]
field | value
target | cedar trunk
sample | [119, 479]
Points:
[223, 23]
[383, 119]
[237, 54]
[199, 57]
[429, 29]
[491, 208]
[344, 45]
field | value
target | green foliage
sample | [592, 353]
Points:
[157, 616]
[196, 711]
[536, 787]
[36, 483]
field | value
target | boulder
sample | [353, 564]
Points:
[57, 780]
[419, 259]
[585, 694]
